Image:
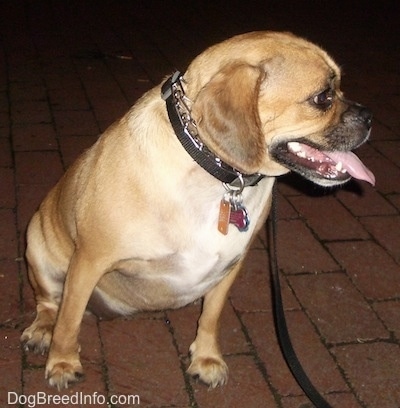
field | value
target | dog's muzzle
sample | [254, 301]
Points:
[332, 162]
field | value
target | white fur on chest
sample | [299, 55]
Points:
[206, 257]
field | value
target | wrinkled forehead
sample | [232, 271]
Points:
[308, 68]
[288, 59]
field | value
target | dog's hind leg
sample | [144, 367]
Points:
[46, 270]
[48, 262]
[207, 363]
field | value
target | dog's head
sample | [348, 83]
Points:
[271, 102]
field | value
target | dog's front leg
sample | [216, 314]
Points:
[63, 364]
[207, 363]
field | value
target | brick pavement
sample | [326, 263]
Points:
[62, 83]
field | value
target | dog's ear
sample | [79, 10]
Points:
[226, 112]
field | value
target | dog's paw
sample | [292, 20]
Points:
[63, 373]
[37, 338]
[212, 371]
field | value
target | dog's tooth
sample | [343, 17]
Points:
[294, 147]
[301, 154]
[339, 166]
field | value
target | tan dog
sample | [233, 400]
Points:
[138, 224]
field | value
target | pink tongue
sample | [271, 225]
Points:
[353, 165]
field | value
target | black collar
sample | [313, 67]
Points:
[186, 131]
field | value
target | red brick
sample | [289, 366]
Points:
[390, 149]
[7, 190]
[4, 125]
[30, 70]
[70, 98]
[252, 289]
[373, 370]
[30, 111]
[246, 387]
[387, 175]
[328, 218]
[284, 208]
[316, 361]
[72, 146]
[93, 71]
[8, 235]
[395, 200]
[75, 123]
[38, 167]
[60, 79]
[231, 337]
[31, 137]
[370, 268]
[141, 359]
[299, 251]
[365, 200]
[29, 197]
[90, 341]
[184, 323]
[315, 357]
[339, 399]
[5, 153]
[389, 312]
[10, 363]
[337, 308]
[259, 241]
[386, 230]
[382, 132]
[4, 97]
[133, 82]
[3, 72]
[108, 109]
[27, 91]
[9, 299]
[385, 113]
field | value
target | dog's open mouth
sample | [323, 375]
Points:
[322, 167]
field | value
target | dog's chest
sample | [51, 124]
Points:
[184, 257]
[206, 255]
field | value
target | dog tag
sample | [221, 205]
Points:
[239, 218]
[224, 216]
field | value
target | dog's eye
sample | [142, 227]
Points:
[324, 99]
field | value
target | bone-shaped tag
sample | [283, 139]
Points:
[239, 218]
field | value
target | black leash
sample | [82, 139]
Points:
[280, 322]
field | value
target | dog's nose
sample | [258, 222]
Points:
[365, 115]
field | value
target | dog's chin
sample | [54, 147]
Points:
[311, 162]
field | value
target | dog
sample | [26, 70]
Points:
[162, 209]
